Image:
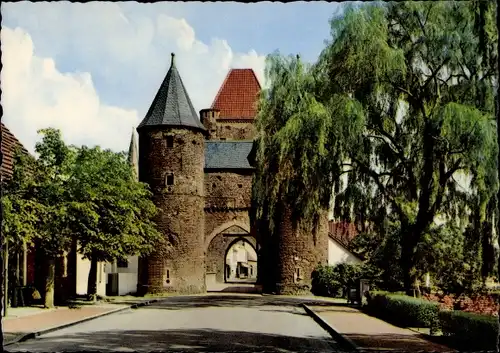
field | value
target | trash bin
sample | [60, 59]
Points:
[352, 295]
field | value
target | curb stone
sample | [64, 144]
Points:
[32, 335]
[346, 343]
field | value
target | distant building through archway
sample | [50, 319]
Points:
[240, 262]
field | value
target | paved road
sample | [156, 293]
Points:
[217, 323]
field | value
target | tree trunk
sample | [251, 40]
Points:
[408, 248]
[92, 280]
[418, 292]
[50, 271]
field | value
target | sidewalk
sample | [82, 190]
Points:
[368, 333]
[31, 323]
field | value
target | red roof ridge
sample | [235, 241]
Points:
[343, 230]
[231, 106]
[227, 77]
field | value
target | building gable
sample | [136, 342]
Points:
[238, 96]
[9, 145]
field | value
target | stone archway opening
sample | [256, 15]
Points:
[240, 262]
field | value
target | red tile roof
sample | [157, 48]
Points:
[9, 143]
[237, 98]
[344, 232]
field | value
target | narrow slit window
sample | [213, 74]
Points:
[298, 274]
[167, 280]
[170, 141]
[170, 179]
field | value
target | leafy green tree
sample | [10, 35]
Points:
[53, 169]
[427, 103]
[299, 145]
[110, 212]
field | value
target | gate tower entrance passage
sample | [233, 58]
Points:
[231, 258]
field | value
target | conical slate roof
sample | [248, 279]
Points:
[172, 105]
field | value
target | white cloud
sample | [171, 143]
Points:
[36, 95]
[92, 70]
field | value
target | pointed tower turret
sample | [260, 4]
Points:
[133, 155]
[171, 161]
[172, 106]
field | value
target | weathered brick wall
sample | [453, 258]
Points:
[182, 217]
[299, 251]
[218, 220]
[234, 129]
[478, 303]
[227, 189]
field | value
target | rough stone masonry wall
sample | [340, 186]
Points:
[228, 129]
[228, 189]
[299, 251]
[181, 219]
[234, 130]
[227, 204]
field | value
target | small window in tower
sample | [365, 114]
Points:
[240, 185]
[170, 179]
[298, 276]
[170, 141]
[167, 277]
[223, 139]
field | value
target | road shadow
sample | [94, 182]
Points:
[241, 301]
[403, 343]
[206, 340]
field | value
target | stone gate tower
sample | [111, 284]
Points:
[171, 161]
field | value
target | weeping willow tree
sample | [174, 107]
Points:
[427, 152]
[300, 145]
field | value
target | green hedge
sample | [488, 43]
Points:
[404, 310]
[469, 329]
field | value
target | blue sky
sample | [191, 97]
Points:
[92, 69]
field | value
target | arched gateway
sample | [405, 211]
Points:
[231, 257]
